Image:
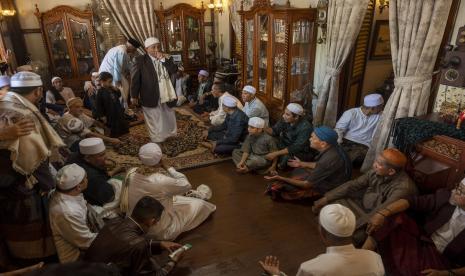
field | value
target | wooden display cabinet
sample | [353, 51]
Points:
[71, 45]
[183, 35]
[278, 52]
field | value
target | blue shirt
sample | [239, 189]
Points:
[256, 108]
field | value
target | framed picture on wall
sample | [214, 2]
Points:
[380, 42]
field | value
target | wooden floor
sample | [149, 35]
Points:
[246, 227]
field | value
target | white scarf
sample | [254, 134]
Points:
[167, 92]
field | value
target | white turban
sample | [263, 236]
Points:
[295, 108]
[55, 78]
[257, 122]
[25, 79]
[90, 146]
[204, 73]
[150, 154]
[249, 89]
[337, 220]
[70, 176]
[373, 100]
[229, 101]
[75, 125]
[150, 41]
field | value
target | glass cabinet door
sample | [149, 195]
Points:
[192, 26]
[173, 26]
[301, 81]
[61, 60]
[82, 46]
[279, 58]
[248, 63]
[262, 52]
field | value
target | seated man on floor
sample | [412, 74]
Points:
[331, 168]
[125, 243]
[293, 133]
[75, 125]
[373, 191]
[181, 213]
[228, 136]
[56, 98]
[434, 247]
[68, 214]
[251, 156]
[181, 83]
[253, 106]
[102, 190]
[357, 126]
[336, 226]
[219, 92]
[197, 101]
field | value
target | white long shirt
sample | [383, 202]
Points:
[343, 260]
[181, 213]
[358, 127]
[116, 62]
[449, 231]
[68, 221]
[67, 93]
[218, 116]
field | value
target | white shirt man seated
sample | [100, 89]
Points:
[337, 224]
[357, 126]
[68, 214]
[218, 116]
[253, 106]
[181, 213]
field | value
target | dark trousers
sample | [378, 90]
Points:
[225, 149]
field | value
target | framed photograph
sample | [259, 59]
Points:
[381, 44]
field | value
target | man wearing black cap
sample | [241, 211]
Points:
[117, 63]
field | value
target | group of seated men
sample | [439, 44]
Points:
[119, 217]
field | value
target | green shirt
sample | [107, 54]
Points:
[261, 144]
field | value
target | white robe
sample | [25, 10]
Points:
[181, 213]
[217, 117]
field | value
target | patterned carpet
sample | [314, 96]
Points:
[182, 152]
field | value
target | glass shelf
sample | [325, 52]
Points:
[82, 47]
[262, 52]
[174, 35]
[300, 57]
[249, 48]
[60, 55]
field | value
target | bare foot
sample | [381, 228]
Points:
[207, 145]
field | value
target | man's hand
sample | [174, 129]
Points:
[164, 164]
[271, 171]
[170, 246]
[376, 221]
[116, 170]
[134, 102]
[118, 84]
[320, 203]
[273, 177]
[21, 128]
[270, 156]
[115, 141]
[270, 265]
[294, 163]
[433, 272]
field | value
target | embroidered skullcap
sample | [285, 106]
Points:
[326, 134]
[249, 89]
[204, 73]
[150, 154]
[95, 74]
[73, 101]
[75, 125]
[257, 122]
[150, 41]
[55, 78]
[90, 146]
[70, 176]
[373, 100]
[25, 79]
[394, 157]
[4, 81]
[24, 68]
[134, 42]
[295, 108]
[337, 220]
[229, 101]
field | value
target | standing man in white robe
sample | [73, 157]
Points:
[117, 62]
[181, 213]
[151, 87]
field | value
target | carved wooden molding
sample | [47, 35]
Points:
[31, 31]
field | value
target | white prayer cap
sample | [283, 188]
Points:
[55, 78]
[250, 89]
[373, 100]
[24, 68]
[4, 81]
[150, 41]
[25, 79]
[295, 108]
[204, 73]
[229, 101]
[150, 154]
[90, 146]
[337, 220]
[75, 125]
[95, 74]
[257, 122]
[70, 176]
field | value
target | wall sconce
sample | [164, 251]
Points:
[382, 5]
[217, 7]
[7, 8]
[322, 9]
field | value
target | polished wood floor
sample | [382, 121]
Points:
[246, 227]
